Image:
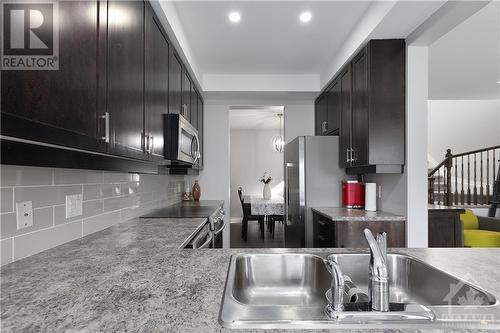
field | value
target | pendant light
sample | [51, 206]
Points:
[278, 141]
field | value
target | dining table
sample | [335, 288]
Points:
[261, 206]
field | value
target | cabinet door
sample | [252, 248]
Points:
[126, 77]
[350, 234]
[186, 95]
[334, 107]
[200, 129]
[321, 115]
[60, 106]
[175, 83]
[156, 99]
[360, 108]
[194, 107]
[345, 117]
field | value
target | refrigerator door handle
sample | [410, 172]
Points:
[287, 190]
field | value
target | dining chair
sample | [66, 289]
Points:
[247, 216]
[272, 221]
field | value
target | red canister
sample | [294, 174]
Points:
[353, 194]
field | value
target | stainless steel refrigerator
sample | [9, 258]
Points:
[312, 179]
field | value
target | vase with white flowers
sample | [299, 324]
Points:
[266, 192]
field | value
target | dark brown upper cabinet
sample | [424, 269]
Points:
[378, 108]
[194, 107]
[61, 106]
[175, 83]
[156, 84]
[321, 115]
[334, 107]
[187, 90]
[118, 74]
[370, 108]
[344, 80]
[125, 88]
[359, 126]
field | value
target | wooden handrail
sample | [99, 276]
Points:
[476, 151]
[433, 171]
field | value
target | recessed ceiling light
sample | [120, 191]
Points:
[498, 81]
[305, 17]
[234, 17]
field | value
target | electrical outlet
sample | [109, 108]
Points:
[380, 191]
[24, 214]
[74, 205]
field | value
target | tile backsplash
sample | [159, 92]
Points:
[108, 198]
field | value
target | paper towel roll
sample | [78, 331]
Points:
[371, 197]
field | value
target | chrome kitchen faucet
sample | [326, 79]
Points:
[378, 282]
[378, 278]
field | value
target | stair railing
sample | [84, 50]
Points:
[464, 179]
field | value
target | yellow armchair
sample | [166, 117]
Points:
[480, 231]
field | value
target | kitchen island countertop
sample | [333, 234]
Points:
[130, 278]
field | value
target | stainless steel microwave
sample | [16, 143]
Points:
[181, 142]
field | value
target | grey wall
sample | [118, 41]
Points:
[252, 154]
[109, 198]
[394, 187]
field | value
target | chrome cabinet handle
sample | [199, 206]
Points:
[354, 155]
[348, 158]
[324, 126]
[151, 146]
[105, 116]
[183, 110]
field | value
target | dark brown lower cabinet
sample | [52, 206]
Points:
[349, 234]
[445, 228]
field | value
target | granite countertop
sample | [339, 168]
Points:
[187, 209]
[348, 214]
[127, 278]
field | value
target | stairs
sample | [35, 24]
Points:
[495, 199]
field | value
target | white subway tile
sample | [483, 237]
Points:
[77, 176]
[6, 249]
[14, 175]
[6, 200]
[45, 195]
[100, 222]
[42, 218]
[38, 241]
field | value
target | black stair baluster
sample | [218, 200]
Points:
[488, 177]
[481, 189]
[475, 181]
[462, 195]
[456, 182]
[439, 187]
[496, 194]
[468, 181]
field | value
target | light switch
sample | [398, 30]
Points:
[74, 205]
[24, 214]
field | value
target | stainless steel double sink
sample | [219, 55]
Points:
[288, 291]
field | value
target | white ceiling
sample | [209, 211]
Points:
[258, 117]
[269, 39]
[465, 63]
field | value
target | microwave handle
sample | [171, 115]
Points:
[196, 154]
